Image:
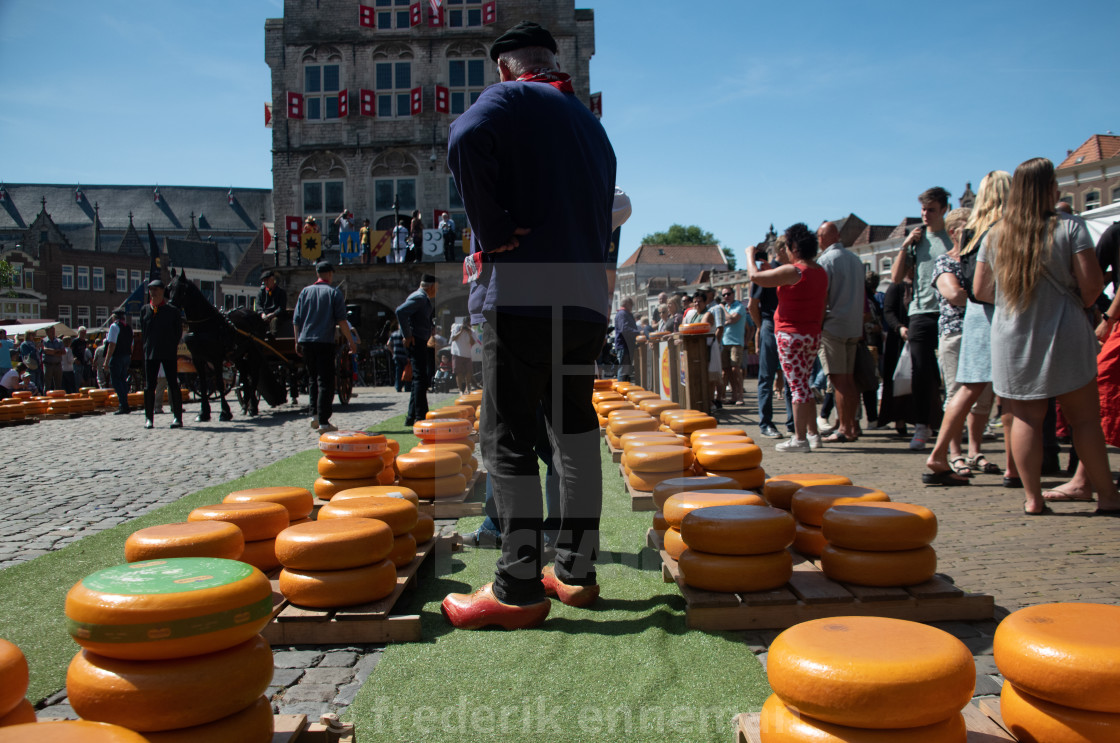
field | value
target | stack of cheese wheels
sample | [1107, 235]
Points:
[400, 514]
[425, 528]
[1061, 670]
[655, 406]
[463, 451]
[351, 459]
[740, 461]
[640, 394]
[621, 422]
[298, 501]
[677, 506]
[603, 409]
[474, 399]
[336, 562]
[867, 679]
[72, 731]
[778, 491]
[809, 504]
[647, 465]
[461, 412]
[11, 409]
[171, 645]
[602, 384]
[735, 548]
[433, 473]
[188, 539]
[877, 544]
[674, 485]
[14, 707]
[454, 430]
[259, 524]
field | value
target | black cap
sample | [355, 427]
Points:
[520, 36]
[324, 267]
[267, 275]
[427, 279]
[155, 284]
[118, 312]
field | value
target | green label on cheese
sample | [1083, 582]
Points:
[173, 575]
[172, 629]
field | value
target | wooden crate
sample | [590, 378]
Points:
[297, 729]
[982, 728]
[810, 594]
[359, 624]
[616, 454]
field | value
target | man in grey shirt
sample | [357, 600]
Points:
[319, 308]
[842, 328]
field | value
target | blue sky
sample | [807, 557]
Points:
[730, 116]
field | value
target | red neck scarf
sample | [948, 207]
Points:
[320, 281]
[155, 307]
[558, 80]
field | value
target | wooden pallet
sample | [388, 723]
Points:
[616, 454]
[640, 500]
[982, 727]
[810, 594]
[297, 729]
[359, 624]
[18, 422]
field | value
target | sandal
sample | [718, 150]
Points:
[963, 469]
[837, 438]
[980, 464]
[1057, 495]
[1044, 512]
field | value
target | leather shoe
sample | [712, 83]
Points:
[177, 423]
[483, 609]
[570, 595]
[148, 423]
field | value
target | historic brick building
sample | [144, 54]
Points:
[1089, 177]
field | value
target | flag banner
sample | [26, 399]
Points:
[380, 240]
[153, 270]
[489, 13]
[268, 237]
[366, 102]
[416, 101]
[443, 104]
[414, 15]
[350, 245]
[343, 104]
[295, 106]
[293, 225]
[366, 17]
[435, 15]
[268, 114]
[597, 105]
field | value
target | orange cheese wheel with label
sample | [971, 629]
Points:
[23, 712]
[810, 503]
[70, 731]
[656, 406]
[428, 464]
[668, 458]
[619, 426]
[466, 453]
[334, 544]
[13, 676]
[878, 527]
[691, 423]
[398, 513]
[253, 724]
[404, 550]
[748, 479]
[666, 488]
[754, 529]
[736, 573]
[880, 569]
[809, 540]
[695, 328]
[659, 522]
[779, 723]
[674, 543]
[352, 444]
[350, 469]
[298, 501]
[168, 608]
[778, 491]
[647, 481]
[256, 520]
[445, 429]
[188, 539]
[727, 456]
[425, 528]
[1067, 653]
[871, 672]
[678, 505]
[261, 554]
[1034, 720]
[326, 488]
[392, 491]
[704, 433]
[148, 696]
[326, 589]
[436, 487]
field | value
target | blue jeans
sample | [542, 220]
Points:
[768, 367]
[543, 449]
[118, 375]
[625, 365]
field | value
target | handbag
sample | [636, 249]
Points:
[866, 373]
[903, 377]
[406, 374]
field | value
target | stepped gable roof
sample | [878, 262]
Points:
[676, 255]
[1096, 148]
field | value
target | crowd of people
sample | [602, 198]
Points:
[46, 363]
[406, 238]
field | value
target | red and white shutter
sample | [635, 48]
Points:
[295, 106]
[268, 114]
[292, 226]
[435, 14]
[597, 105]
[268, 238]
[343, 103]
[416, 101]
[414, 18]
[366, 17]
[366, 102]
[443, 100]
[489, 13]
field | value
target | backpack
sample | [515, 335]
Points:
[968, 266]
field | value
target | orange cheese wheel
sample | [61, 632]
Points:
[388, 476]
[444, 429]
[809, 540]
[704, 433]
[659, 522]
[350, 469]
[635, 396]
[463, 412]
[604, 408]
[633, 444]
[605, 395]
[425, 528]
[404, 550]
[326, 488]
[722, 439]
[778, 491]
[298, 501]
[334, 544]
[22, 713]
[878, 527]
[170, 694]
[188, 539]
[261, 554]
[809, 503]
[678, 505]
[737, 529]
[256, 520]
[427, 464]
[70, 731]
[13, 676]
[727, 456]
[326, 589]
[352, 444]
[392, 491]
[1034, 720]
[748, 479]
[436, 487]
[304, 520]
[619, 426]
[655, 406]
[398, 513]
[736, 573]
[602, 384]
[467, 472]
[676, 485]
[602, 420]
[662, 436]
[56, 394]
[668, 458]
[695, 328]
[691, 423]
[168, 608]
[674, 543]
[464, 440]
[1068, 654]
[250, 725]
[668, 415]
[613, 440]
[779, 723]
[882, 569]
[465, 452]
[647, 481]
[871, 672]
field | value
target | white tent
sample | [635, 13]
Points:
[39, 328]
[1100, 219]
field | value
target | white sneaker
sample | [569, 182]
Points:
[315, 422]
[824, 426]
[327, 428]
[794, 445]
[921, 435]
[814, 440]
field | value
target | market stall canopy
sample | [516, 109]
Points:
[39, 328]
[1099, 220]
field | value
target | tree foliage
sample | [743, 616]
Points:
[729, 254]
[7, 279]
[680, 235]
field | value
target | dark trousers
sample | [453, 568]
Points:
[421, 358]
[926, 373]
[319, 358]
[528, 363]
[171, 373]
[768, 366]
[118, 376]
[398, 371]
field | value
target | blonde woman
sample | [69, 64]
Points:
[1040, 270]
